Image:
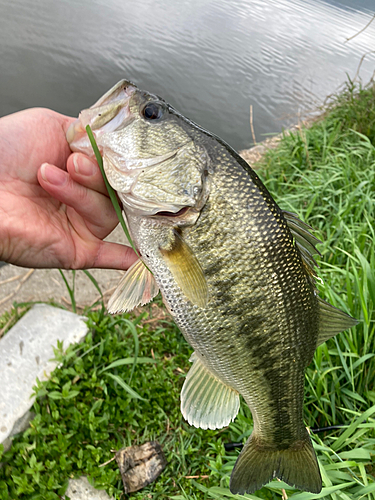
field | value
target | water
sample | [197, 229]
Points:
[211, 59]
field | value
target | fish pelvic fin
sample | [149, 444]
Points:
[205, 401]
[136, 287]
[186, 270]
[332, 321]
[257, 464]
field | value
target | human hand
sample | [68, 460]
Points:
[54, 207]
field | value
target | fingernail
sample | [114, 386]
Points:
[53, 175]
[83, 165]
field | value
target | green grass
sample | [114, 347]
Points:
[93, 405]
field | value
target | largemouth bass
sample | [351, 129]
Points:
[235, 271]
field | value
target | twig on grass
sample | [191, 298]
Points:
[107, 462]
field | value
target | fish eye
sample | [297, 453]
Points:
[152, 111]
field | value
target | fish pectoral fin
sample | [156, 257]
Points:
[136, 287]
[186, 271]
[332, 321]
[205, 401]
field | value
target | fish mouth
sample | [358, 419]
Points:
[109, 113]
[180, 213]
[186, 216]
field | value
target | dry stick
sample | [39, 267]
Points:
[56, 282]
[9, 280]
[25, 277]
[154, 319]
[360, 63]
[303, 137]
[196, 477]
[5, 327]
[68, 302]
[363, 29]
[283, 492]
[251, 124]
[107, 292]
[107, 462]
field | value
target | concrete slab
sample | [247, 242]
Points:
[81, 489]
[19, 284]
[25, 354]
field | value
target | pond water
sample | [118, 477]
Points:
[211, 59]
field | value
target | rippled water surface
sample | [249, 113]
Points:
[211, 59]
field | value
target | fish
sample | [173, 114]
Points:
[235, 271]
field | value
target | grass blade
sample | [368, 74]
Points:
[93, 281]
[125, 386]
[71, 290]
[128, 361]
[110, 190]
[352, 427]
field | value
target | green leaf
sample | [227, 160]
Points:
[324, 493]
[127, 361]
[93, 281]
[352, 428]
[71, 394]
[365, 490]
[125, 386]
[54, 395]
[356, 454]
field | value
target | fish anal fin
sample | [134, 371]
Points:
[136, 287]
[186, 270]
[257, 464]
[205, 401]
[332, 321]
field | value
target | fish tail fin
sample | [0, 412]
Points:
[257, 464]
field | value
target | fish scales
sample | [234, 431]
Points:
[238, 316]
[234, 270]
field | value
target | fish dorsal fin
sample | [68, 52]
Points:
[205, 401]
[136, 287]
[304, 239]
[332, 321]
[186, 270]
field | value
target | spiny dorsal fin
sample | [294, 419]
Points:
[205, 401]
[332, 321]
[304, 239]
[186, 270]
[136, 287]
